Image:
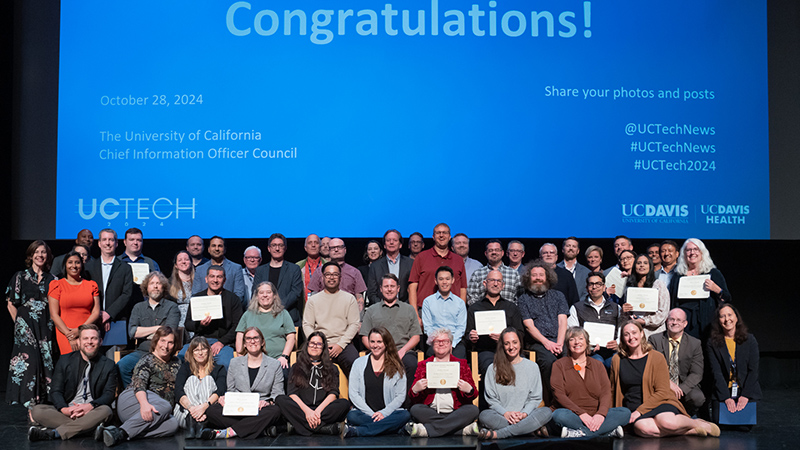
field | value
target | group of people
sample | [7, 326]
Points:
[290, 331]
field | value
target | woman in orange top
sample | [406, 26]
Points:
[73, 302]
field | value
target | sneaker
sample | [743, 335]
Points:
[617, 433]
[471, 430]
[416, 430]
[113, 436]
[571, 433]
[41, 434]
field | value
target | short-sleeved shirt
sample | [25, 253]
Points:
[274, 329]
[423, 272]
[544, 311]
[399, 319]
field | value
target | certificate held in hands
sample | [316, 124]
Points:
[692, 287]
[206, 306]
[241, 404]
[140, 270]
[488, 322]
[442, 375]
[599, 333]
[642, 299]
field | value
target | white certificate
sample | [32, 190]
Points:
[442, 375]
[692, 287]
[206, 306]
[615, 279]
[140, 270]
[599, 333]
[642, 299]
[488, 322]
[241, 404]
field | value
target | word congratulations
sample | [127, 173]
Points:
[241, 20]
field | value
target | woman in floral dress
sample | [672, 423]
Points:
[31, 365]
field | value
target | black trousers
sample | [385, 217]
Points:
[246, 427]
[335, 412]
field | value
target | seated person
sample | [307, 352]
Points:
[334, 313]
[198, 385]
[439, 412]
[377, 389]
[443, 309]
[312, 404]
[266, 312]
[146, 317]
[221, 333]
[595, 307]
[145, 407]
[253, 372]
[582, 392]
[513, 392]
[83, 387]
[733, 358]
[640, 382]
[401, 321]
[643, 276]
[684, 354]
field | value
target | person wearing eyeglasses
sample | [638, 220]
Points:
[512, 286]
[442, 411]
[351, 280]
[251, 260]
[596, 308]
[617, 276]
[286, 276]
[335, 313]
[516, 252]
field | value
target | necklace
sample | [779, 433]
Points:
[577, 366]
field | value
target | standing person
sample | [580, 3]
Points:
[310, 263]
[199, 384]
[180, 285]
[439, 412]
[372, 253]
[570, 248]
[266, 313]
[513, 392]
[325, 248]
[251, 260]
[733, 356]
[460, 246]
[285, 276]
[31, 366]
[85, 238]
[350, 281]
[582, 392]
[654, 252]
[73, 302]
[312, 403]
[644, 276]
[83, 389]
[377, 389]
[253, 372]
[234, 281]
[392, 262]
[640, 382]
[669, 259]
[145, 407]
[422, 280]
[114, 280]
[416, 244]
[516, 252]
[694, 260]
[617, 276]
[594, 258]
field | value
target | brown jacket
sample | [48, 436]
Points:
[655, 384]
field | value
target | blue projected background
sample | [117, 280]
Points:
[503, 118]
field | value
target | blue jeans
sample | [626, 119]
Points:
[365, 426]
[616, 417]
[223, 358]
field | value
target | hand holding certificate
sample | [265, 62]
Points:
[206, 306]
[599, 333]
[442, 375]
[140, 270]
[693, 287]
[241, 404]
[642, 299]
[489, 322]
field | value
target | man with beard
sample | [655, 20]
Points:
[669, 259]
[544, 315]
[84, 385]
[621, 243]
[234, 281]
[564, 280]
[195, 247]
[570, 248]
[146, 317]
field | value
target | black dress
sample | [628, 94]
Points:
[631, 373]
[31, 365]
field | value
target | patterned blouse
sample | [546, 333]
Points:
[153, 374]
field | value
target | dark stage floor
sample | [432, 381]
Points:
[778, 414]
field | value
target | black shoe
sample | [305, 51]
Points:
[289, 428]
[208, 434]
[347, 431]
[333, 429]
[271, 431]
[113, 436]
[41, 434]
[191, 428]
[98, 433]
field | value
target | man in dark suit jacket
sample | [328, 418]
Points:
[80, 401]
[392, 243]
[114, 279]
[690, 360]
[566, 282]
[285, 275]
